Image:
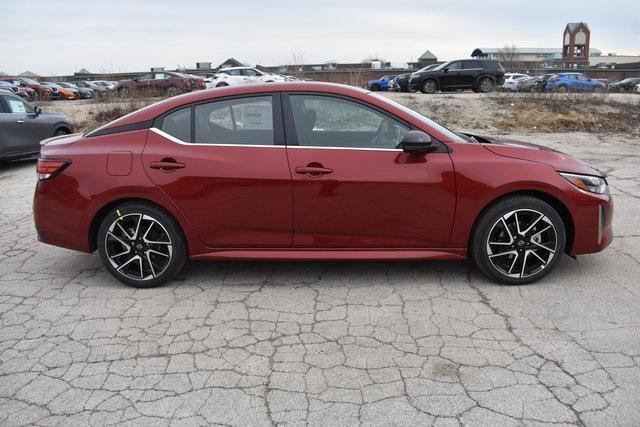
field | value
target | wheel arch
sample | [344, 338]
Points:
[555, 203]
[102, 212]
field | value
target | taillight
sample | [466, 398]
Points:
[47, 169]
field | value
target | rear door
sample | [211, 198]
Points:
[224, 164]
[352, 185]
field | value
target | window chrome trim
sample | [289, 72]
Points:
[197, 144]
[344, 148]
[181, 142]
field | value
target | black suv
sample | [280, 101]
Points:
[481, 75]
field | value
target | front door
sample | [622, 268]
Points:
[352, 185]
[222, 164]
[22, 128]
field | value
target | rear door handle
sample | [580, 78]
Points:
[166, 165]
[313, 171]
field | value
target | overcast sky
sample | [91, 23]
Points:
[62, 36]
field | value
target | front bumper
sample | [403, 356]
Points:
[592, 222]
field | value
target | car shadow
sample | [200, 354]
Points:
[12, 165]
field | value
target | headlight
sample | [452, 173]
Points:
[592, 184]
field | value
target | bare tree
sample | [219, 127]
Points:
[296, 61]
[508, 56]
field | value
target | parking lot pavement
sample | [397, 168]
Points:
[324, 343]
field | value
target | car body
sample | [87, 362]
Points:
[23, 126]
[237, 76]
[401, 83]
[106, 84]
[480, 75]
[625, 85]
[573, 82]
[98, 91]
[60, 92]
[381, 84]
[9, 87]
[534, 84]
[308, 171]
[82, 92]
[166, 82]
[511, 81]
[42, 91]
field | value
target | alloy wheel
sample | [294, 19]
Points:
[486, 85]
[522, 243]
[138, 246]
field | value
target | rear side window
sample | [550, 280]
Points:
[178, 124]
[244, 121]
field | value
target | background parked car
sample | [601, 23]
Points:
[626, 85]
[83, 92]
[60, 92]
[168, 82]
[42, 91]
[401, 83]
[23, 126]
[97, 90]
[534, 84]
[234, 76]
[573, 82]
[382, 84]
[511, 81]
[106, 84]
[23, 92]
[481, 75]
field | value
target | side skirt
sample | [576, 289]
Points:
[337, 254]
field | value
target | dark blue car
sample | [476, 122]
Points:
[574, 82]
[381, 84]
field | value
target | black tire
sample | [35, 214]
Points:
[112, 229]
[492, 224]
[562, 89]
[428, 86]
[172, 91]
[375, 88]
[485, 85]
[61, 131]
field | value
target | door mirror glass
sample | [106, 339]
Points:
[37, 111]
[417, 142]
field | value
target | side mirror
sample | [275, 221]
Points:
[38, 110]
[417, 142]
[446, 70]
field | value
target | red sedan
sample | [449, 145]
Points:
[311, 171]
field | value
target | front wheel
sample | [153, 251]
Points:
[518, 240]
[429, 86]
[141, 245]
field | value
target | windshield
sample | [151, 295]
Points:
[443, 130]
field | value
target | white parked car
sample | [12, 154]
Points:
[235, 76]
[511, 81]
[638, 89]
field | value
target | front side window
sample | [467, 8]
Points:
[455, 65]
[18, 106]
[244, 121]
[325, 121]
[160, 76]
[178, 124]
[250, 72]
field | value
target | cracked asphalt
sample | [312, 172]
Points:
[330, 343]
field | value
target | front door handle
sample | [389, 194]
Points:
[21, 121]
[166, 165]
[313, 170]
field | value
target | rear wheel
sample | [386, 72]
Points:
[486, 85]
[562, 89]
[61, 131]
[172, 91]
[429, 86]
[518, 240]
[141, 245]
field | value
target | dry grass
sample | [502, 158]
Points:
[558, 113]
